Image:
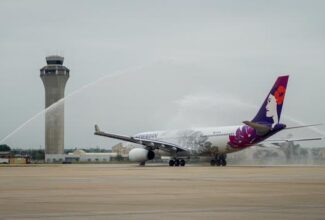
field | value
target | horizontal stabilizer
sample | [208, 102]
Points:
[280, 141]
[303, 126]
[260, 128]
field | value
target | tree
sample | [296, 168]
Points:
[4, 148]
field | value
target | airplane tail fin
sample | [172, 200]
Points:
[270, 112]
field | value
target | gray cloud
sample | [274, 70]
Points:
[186, 49]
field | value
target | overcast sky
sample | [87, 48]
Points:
[183, 64]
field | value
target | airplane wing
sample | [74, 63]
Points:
[148, 143]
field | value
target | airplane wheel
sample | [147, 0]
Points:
[212, 162]
[176, 163]
[182, 162]
[142, 163]
[218, 163]
[171, 163]
[223, 161]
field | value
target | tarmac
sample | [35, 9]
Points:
[126, 191]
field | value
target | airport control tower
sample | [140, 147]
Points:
[54, 76]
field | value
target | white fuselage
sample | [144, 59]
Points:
[196, 140]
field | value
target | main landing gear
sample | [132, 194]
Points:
[219, 160]
[177, 163]
[142, 163]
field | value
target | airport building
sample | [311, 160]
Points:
[122, 149]
[54, 76]
[82, 156]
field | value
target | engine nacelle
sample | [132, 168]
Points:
[141, 155]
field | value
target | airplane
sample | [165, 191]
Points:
[214, 142]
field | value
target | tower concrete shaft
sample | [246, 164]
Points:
[54, 76]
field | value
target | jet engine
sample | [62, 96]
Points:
[141, 155]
